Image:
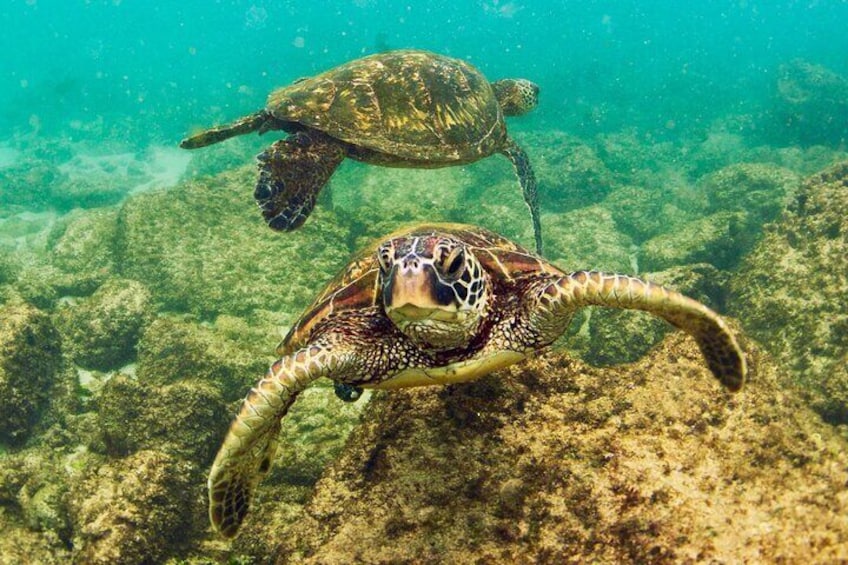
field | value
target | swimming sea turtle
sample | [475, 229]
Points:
[436, 304]
[398, 109]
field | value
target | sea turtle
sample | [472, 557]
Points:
[434, 304]
[400, 108]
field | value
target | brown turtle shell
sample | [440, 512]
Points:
[414, 105]
[357, 286]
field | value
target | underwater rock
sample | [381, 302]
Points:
[30, 357]
[101, 331]
[203, 248]
[10, 266]
[35, 520]
[185, 419]
[630, 154]
[811, 104]
[172, 350]
[803, 161]
[760, 191]
[38, 284]
[134, 510]
[710, 239]
[832, 402]
[87, 193]
[82, 248]
[500, 208]
[19, 544]
[643, 212]
[791, 289]
[587, 238]
[46, 509]
[378, 200]
[319, 423]
[552, 460]
[569, 172]
[29, 184]
[720, 146]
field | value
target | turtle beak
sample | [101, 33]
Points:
[410, 294]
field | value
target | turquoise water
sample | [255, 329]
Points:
[142, 294]
[148, 72]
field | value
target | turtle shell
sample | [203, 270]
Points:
[414, 105]
[357, 286]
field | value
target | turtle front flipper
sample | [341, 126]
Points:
[248, 449]
[527, 179]
[555, 301]
[254, 122]
[291, 174]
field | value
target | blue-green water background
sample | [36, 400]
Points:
[145, 73]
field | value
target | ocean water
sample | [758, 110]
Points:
[141, 74]
[667, 137]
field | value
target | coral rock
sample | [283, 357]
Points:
[134, 510]
[552, 461]
[102, 331]
[30, 357]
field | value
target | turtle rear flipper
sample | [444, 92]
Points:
[527, 179]
[291, 174]
[254, 122]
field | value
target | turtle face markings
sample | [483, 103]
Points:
[433, 289]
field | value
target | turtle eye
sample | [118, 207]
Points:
[454, 263]
[384, 257]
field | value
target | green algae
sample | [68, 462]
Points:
[202, 248]
[29, 360]
[101, 330]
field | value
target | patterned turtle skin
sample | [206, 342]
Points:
[432, 305]
[401, 108]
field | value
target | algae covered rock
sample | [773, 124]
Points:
[587, 239]
[91, 192]
[553, 461]
[811, 103]
[759, 192]
[378, 200]
[832, 402]
[30, 357]
[569, 172]
[134, 510]
[760, 188]
[710, 239]
[791, 290]
[9, 265]
[173, 350]
[29, 184]
[101, 331]
[643, 212]
[316, 429]
[38, 285]
[500, 207]
[202, 247]
[82, 248]
[185, 419]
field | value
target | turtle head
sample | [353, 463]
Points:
[433, 289]
[516, 95]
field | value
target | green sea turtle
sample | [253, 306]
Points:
[435, 304]
[398, 109]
